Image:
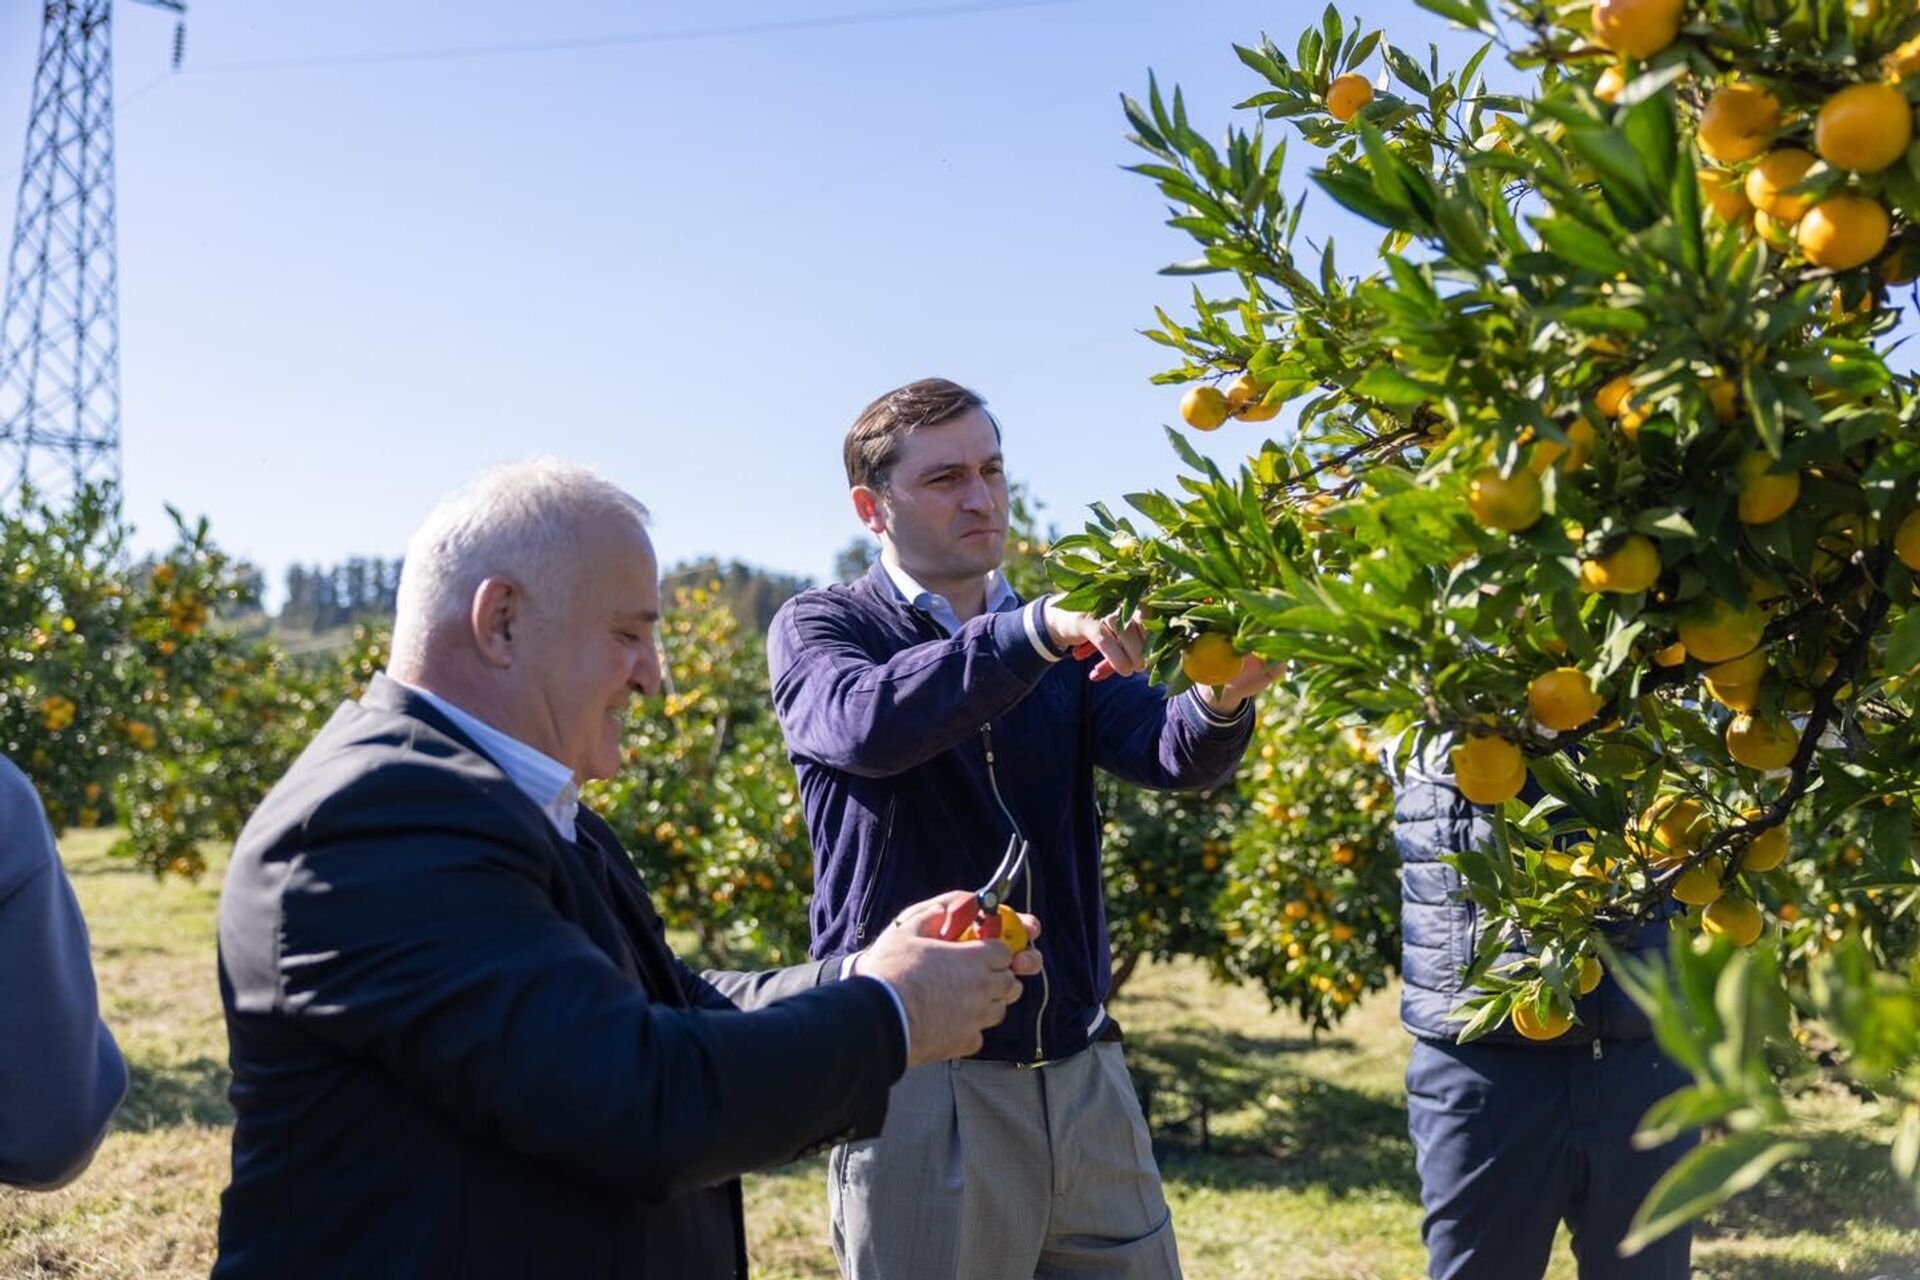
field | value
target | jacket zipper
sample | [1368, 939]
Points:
[873, 881]
[1046, 987]
[921, 621]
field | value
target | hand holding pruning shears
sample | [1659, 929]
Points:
[985, 914]
[952, 993]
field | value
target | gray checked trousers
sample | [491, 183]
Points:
[987, 1171]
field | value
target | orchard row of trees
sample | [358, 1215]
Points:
[1598, 472]
[131, 705]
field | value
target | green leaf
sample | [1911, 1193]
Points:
[1892, 839]
[1664, 522]
[1619, 646]
[1557, 780]
[1655, 137]
[1361, 51]
[1260, 62]
[1408, 71]
[1396, 181]
[1082, 599]
[1903, 645]
[1462, 229]
[1390, 387]
[1705, 1177]
[1486, 1015]
[1906, 1144]
[1472, 16]
[1623, 177]
[1693, 1107]
[1580, 245]
[1762, 395]
[1360, 197]
[1191, 267]
[1186, 451]
[1649, 83]
[1156, 507]
[1683, 197]
[1149, 136]
[1602, 319]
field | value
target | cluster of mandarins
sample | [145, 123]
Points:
[1760, 155]
[1808, 182]
[1211, 659]
[1806, 165]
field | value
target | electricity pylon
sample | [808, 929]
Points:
[60, 329]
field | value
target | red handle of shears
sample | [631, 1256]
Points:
[959, 916]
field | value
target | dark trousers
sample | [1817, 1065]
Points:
[1511, 1139]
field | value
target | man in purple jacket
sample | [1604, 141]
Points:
[931, 714]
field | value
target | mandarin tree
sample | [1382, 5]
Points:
[1598, 472]
[124, 699]
[1283, 878]
[706, 801]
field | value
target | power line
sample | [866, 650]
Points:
[681, 35]
[128, 99]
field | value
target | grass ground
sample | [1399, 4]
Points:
[1297, 1167]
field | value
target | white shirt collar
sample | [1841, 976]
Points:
[999, 594]
[544, 780]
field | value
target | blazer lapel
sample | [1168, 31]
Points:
[626, 894]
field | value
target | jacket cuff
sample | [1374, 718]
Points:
[1204, 717]
[848, 966]
[1036, 619]
[1014, 644]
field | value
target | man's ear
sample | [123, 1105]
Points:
[496, 610]
[870, 507]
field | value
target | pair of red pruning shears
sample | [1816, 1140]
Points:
[981, 910]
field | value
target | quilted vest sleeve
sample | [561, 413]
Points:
[1440, 928]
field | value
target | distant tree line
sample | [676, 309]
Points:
[753, 594]
[323, 597]
[328, 597]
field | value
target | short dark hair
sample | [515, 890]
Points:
[873, 441]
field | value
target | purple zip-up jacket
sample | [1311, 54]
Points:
[900, 736]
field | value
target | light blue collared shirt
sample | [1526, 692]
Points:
[544, 780]
[1000, 598]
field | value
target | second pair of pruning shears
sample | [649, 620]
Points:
[985, 913]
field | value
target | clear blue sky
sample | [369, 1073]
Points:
[347, 283]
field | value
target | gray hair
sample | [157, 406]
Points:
[522, 520]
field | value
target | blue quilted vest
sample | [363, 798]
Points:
[1440, 927]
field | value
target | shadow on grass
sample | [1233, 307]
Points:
[100, 864]
[160, 1096]
[1234, 1111]
[1761, 1264]
[129, 950]
[1844, 1178]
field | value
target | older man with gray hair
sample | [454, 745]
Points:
[460, 1044]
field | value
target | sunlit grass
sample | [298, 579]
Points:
[1285, 1155]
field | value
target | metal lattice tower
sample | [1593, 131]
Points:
[60, 330]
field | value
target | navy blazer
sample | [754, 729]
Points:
[461, 1047]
